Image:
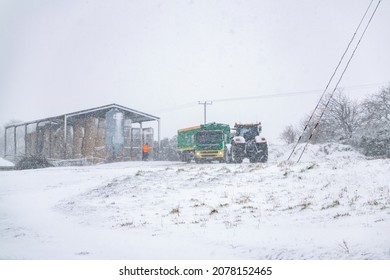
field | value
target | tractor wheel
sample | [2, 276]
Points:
[237, 158]
[236, 155]
[262, 156]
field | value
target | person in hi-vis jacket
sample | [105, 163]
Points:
[145, 151]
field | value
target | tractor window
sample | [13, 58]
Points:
[209, 137]
[248, 132]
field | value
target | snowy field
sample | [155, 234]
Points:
[333, 205]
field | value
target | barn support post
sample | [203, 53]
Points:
[36, 138]
[142, 139]
[15, 147]
[5, 142]
[25, 140]
[65, 125]
[158, 137]
[50, 138]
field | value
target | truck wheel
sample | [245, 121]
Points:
[186, 157]
[226, 157]
[182, 157]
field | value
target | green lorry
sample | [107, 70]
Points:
[205, 142]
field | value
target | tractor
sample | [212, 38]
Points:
[246, 142]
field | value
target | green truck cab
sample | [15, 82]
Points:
[206, 142]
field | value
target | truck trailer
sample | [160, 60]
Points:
[206, 142]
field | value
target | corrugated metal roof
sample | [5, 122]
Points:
[134, 115]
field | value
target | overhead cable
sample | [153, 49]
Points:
[342, 74]
[330, 80]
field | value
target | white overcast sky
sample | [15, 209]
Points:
[162, 57]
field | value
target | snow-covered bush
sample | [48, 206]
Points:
[376, 144]
[32, 162]
[375, 126]
[289, 135]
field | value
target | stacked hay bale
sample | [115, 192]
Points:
[136, 144]
[57, 142]
[127, 140]
[69, 141]
[46, 150]
[90, 132]
[78, 135]
[31, 142]
[57, 138]
[100, 142]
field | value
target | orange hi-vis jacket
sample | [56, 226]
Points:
[146, 149]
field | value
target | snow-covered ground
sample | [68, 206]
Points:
[333, 205]
[5, 163]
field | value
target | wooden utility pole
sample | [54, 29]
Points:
[205, 103]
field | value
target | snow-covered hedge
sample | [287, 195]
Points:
[33, 162]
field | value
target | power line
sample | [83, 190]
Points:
[287, 94]
[342, 75]
[178, 107]
[265, 96]
[330, 80]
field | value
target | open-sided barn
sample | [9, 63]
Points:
[107, 133]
